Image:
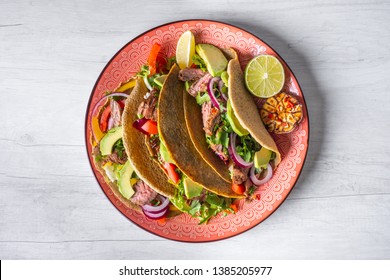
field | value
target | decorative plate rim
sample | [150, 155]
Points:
[86, 137]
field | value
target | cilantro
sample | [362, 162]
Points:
[247, 147]
[144, 72]
[251, 190]
[119, 148]
[170, 62]
[198, 61]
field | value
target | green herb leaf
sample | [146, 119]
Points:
[198, 61]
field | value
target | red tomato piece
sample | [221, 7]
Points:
[238, 188]
[104, 118]
[150, 127]
[172, 174]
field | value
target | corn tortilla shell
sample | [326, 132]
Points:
[134, 141]
[245, 108]
[194, 122]
[173, 132]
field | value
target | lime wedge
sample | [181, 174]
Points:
[185, 49]
[264, 76]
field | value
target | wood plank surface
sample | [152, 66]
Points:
[51, 53]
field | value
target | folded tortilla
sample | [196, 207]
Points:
[245, 108]
[174, 133]
[134, 141]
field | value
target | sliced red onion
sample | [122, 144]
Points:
[267, 177]
[238, 160]
[155, 216]
[220, 86]
[159, 208]
[147, 84]
[104, 98]
[110, 123]
[210, 90]
[139, 123]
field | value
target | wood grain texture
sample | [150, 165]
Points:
[51, 53]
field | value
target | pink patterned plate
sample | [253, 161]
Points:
[293, 146]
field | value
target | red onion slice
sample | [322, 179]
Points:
[95, 108]
[155, 216]
[210, 90]
[267, 177]
[110, 123]
[238, 160]
[159, 208]
[220, 86]
[139, 123]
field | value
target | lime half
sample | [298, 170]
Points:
[264, 76]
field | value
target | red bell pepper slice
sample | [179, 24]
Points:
[152, 59]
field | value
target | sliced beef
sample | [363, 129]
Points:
[200, 85]
[191, 74]
[143, 193]
[117, 158]
[240, 175]
[148, 108]
[116, 113]
[114, 157]
[153, 144]
[218, 150]
[211, 116]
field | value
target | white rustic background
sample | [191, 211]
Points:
[51, 53]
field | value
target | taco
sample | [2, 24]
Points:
[123, 169]
[155, 113]
[223, 121]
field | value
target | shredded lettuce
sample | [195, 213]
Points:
[204, 209]
[200, 99]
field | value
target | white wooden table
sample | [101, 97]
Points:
[51, 53]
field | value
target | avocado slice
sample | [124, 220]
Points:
[160, 80]
[213, 57]
[225, 78]
[234, 122]
[124, 184]
[262, 158]
[108, 141]
[164, 153]
[191, 189]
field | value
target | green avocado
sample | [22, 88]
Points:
[191, 189]
[234, 122]
[225, 78]
[160, 80]
[108, 141]
[213, 57]
[262, 158]
[164, 153]
[124, 183]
